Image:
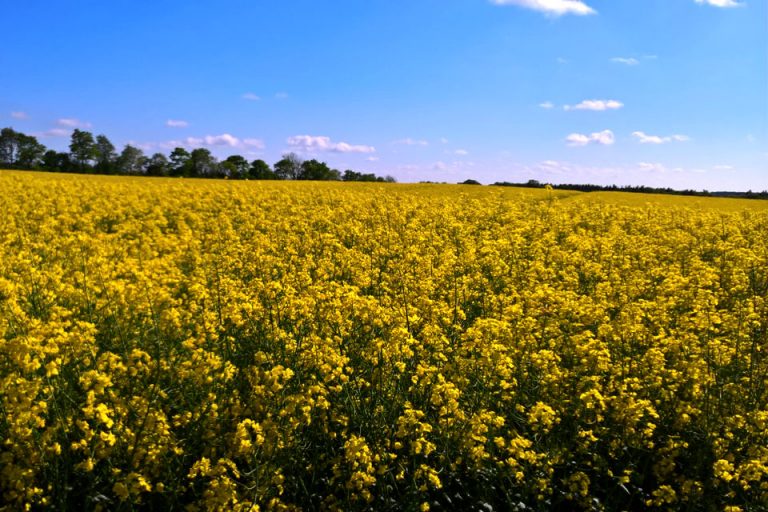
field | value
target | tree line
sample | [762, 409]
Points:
[97, 155]
[640, 189]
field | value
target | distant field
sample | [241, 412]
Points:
[170, 343]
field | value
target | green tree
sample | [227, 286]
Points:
[82, 149]
[289, 168]
[180, 162]
[236, 167]
[318, 171]
[18, 150]
[158, 165]
[106, 157]
[30, 152]
[260, 170]
[202, 163]
[56, 161]
[131, 160]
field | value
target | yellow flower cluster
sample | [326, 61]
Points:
[180, 344]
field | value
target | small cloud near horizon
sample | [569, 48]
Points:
[311, 144]
[71, 122]
[603, 138]
[551, 7]
[176, 123]
[644, 138]
[596, 105]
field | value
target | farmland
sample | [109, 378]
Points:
[211, 345]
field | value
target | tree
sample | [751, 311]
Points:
[236, 167]
[260, 170]
[289, 168]
[82, 149]
[158, 165]
[202, 163]
[106, 157]
[319, 171]
[18, 150]
[180, 164]
[131, 160]
[8, 147]
[55, 161]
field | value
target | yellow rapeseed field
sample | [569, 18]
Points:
[172, 344]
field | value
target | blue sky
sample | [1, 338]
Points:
[657, 92]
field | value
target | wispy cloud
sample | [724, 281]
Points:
[723, 167]
[604, 138]
[71, 122]
[596, 105]
[551, 7]
[19, 115]
[251, 96]
[222, 140]
[629, 61]
[54, 132]
[176, 123]
[644, 138]
[411, 142]
[461, 152]
[547, 105]
[311, 144]
[281, 95]
[720, 3]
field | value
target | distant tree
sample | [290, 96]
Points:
[82, 149]
[202, 163]
[20, 151]
[318, 171]
[237, 167]
[131, 160]
[390, 179]
[260, 170]
[30, 152]
[158, 165]
[289, 168]
[470, 182]
[180, 162]
[56, 161]
[106, 157]
[8, 147]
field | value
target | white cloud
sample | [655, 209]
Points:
[722, 167]
[311, 144]
[443, 140]
[176, 123]
[605, 138]
[19, 115]
[651, 167]
[644, 138]
[223, 140]
[596, 105]
[547, 105]
[251, 97]
[629, 61]
[461, 152]
[440, 166]
[561, 60]
[373, 159]
[720, 3]
[411, 142]
[281, 95]
[54, 132]
[551, 7]
[253, 143]
[72, 123]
